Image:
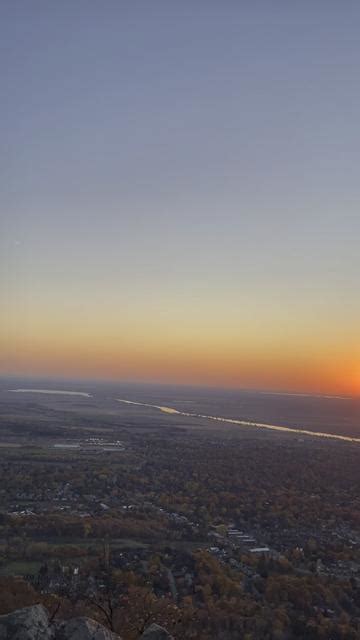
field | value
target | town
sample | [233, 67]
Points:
[209, 531]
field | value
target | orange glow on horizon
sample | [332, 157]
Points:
[202, 346]
[209, 365]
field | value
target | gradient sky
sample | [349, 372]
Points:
[180, 189]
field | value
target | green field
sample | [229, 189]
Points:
[20, 568]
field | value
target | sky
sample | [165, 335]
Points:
[180, 192]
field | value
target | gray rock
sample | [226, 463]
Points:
[83, 629]
[155, 632]
[30, 623]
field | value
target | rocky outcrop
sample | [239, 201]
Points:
[155, 632]
[83, 629]
[32, 623]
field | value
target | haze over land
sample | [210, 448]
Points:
[321, 416]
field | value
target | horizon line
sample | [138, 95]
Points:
[103, 380]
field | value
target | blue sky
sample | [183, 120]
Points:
[182, 155]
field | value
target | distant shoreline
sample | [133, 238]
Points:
[246, 423]
[53, 391]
